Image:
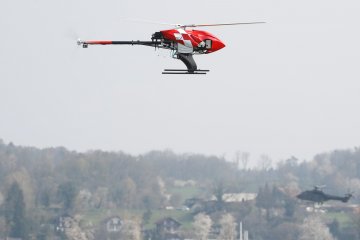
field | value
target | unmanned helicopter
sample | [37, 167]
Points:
[318, 196]
[183, 41]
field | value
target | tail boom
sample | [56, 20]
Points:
[85, 44]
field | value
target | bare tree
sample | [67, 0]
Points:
[202, 226]
[219, 191]
[242, 157]
[130, 230]
[129, 192]
[314, 228]
[99, 197]
[265, 162]
[237, 159]
[228, 227]
[245, 159]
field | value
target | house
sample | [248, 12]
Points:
[167, 225]
[237, 197]
[113, 227]
[113, 224]
[168, 229]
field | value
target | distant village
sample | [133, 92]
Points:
[169, 228]
[57, 194]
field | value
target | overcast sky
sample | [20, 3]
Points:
[288, 87]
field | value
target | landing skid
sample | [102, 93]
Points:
[184, 71]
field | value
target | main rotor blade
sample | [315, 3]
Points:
[138, 20]
[220, 24]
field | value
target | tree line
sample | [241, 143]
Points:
[69, 181]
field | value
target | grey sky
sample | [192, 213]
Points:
[289, 87]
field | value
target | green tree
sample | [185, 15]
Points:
[124, 194]
[15, 211]
[264, 200]
[67, 194]
[286, 231]
[334, 228]
[219, 191]
[147, 216]
[290, 206]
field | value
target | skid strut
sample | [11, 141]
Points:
[188, 60]
[184, 71]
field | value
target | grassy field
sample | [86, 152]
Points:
[185, 192]
[95, 217]
[343, 218]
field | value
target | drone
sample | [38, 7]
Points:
[318, 196]
[183, 41]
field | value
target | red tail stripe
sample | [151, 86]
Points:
[99, 42]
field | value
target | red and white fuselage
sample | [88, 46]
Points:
[193, 41]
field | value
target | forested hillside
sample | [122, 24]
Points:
[55, 181]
